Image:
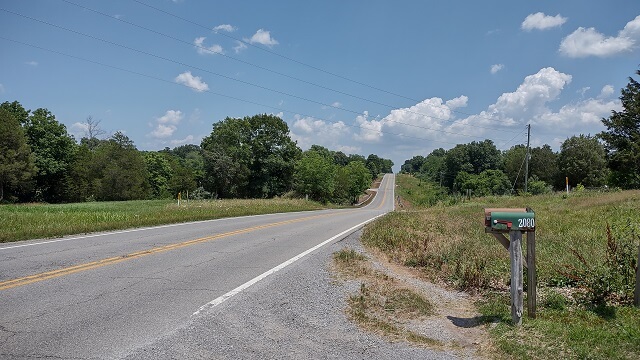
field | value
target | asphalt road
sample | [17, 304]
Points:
[116, 295]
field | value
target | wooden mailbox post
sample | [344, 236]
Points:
[516, 222]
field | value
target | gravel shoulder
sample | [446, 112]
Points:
[299, 312]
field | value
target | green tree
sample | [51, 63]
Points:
[514, 165]
[543, 164]
[622, 138]
[488, 182]
[413, 165]
[123, 174]
[54, 150]
[17, 164]
[473, 158]
[160, 174]
[250, 157]
[433, 167]
[84, 174]
[314, 176]
[583, 160]
[16, 109]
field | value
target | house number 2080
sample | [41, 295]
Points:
[526, 223]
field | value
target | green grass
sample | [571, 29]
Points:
[418, 192]
[448, 243]
[34, 221]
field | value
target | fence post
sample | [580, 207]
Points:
[531, 274]
[515, 254]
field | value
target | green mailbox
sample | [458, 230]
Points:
[505, 220]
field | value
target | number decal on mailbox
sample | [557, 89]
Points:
[526, 223]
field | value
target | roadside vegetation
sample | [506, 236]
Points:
[35, 221]
[382, 305]
[587, 248]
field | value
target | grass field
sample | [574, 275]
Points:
[34, 221]
[448, 243]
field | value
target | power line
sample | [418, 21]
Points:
[225, 76]
[215, 93]
[282, 56]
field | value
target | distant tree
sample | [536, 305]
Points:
[160, 174]
[123, 173]
[473, 158]
[433, 168]
[488, 182]
[622, 138]
[413, 165]
[350, 182]
[250, 157]
[378, 165]
[356, 157]
[17, 164]
[340, 158]
[543, 164]
[514, 159]
[54, 150]
[84, 174]
[314, 176]
[92, 129]
[583, 159]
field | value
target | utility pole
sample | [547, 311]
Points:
[526, 160]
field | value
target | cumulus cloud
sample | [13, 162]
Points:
[32, 63]
[194, 82]
[496, 67]
[263, 37]
[224, 27]
[606, 91]
[307, 131]
[586, 42]
[239, 46]
[540, 21]
[186, 140]
[204, 50]
[166, 124]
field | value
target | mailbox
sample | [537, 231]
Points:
[505, 220]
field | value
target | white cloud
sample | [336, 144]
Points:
[171, 117]
[166, 124]
[178, 142]
[589, 42]
[606, 91]
[307, 131]
[496, 67]
[194, 82]
[32, 63]
[2, 89]
[580, 116]
[79, 129]
[263, 37]
[239, 46]
[163, 131]
[204, 50]
[540, 21]
[583, 90]
[224, 27]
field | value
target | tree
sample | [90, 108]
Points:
[583, 159]
[54, 150]
[123, 173]
[314, 176]
[413, 165]
[16, 109]
[514, 165]
[350, 182]
[250, 157]
[488, 182]
[473, 158]
[433, 167]
[16, 160]
[622, 138]
[160, 174]
[544, 164]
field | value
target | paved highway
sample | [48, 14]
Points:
[110, 295]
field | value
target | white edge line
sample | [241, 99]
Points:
[215, 302]
[151, 228]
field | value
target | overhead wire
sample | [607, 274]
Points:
[216, 93]
[271, 70]
[247, 43]
[225, 76]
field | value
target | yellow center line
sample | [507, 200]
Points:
[8, 284]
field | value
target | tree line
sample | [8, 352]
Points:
[251, 157]
[610, 158]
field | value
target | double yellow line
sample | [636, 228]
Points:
[8, 284]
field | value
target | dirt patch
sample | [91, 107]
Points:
[452, 323]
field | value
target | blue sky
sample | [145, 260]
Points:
[394, 78]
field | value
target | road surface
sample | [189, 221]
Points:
[114, 295]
